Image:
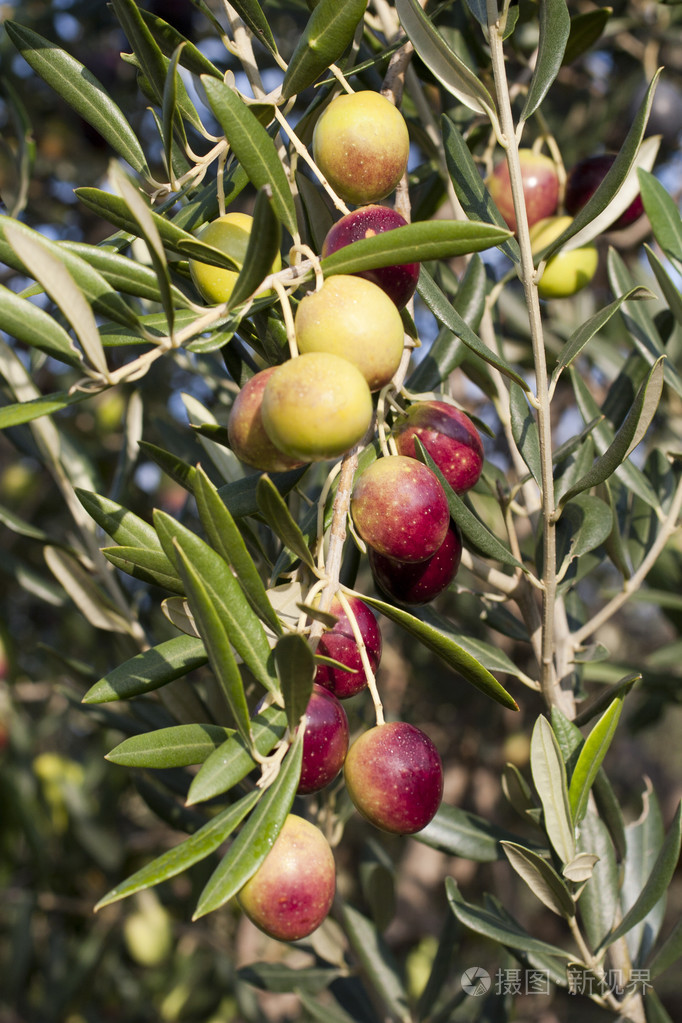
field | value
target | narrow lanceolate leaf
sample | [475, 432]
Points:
[525, 431]
[58, 283]
[541, 878]
[442, 309]
[240, 621]
[478, 535]
[669, 288]
[253, 147]
[417, 242]
[329, 32]
[296, 669]
[98, 610]
[444, 64]
[476, 200]
[598, 901]
[27, 322]
[274, 510]
[377, 961]
[149, 670]
[183, 856]
[211, 628]
[25, 411]
[668, 953]
[450, 652]
[175, 746]
[122, 525]
[123, 274]
[628, 436]
[229, 764]
[587, 330]
[499, 928]
[264, 243]
[168, 38]
[585, 31]
[226, 539]
[591, 756]
[549, 777]
[81, 90]
[252, 14]
[147, 51]
[664, 215]
[657, 883]
[257, 837]
[460, 833]
[555, 27]
[146, 564]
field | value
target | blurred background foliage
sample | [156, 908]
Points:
[72, 825]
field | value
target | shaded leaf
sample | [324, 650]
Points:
[461, 833]
[274, 510]
[149, 670]
[284, 979]
[668, 953]
[296, 669]
[263, 246]
[378, 963]
[662, 211]
[541, 878]
[549, 777]
[97, 609]
[586, 29]
[599, 899]
[525, 430]
[555, 27]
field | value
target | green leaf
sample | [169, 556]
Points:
[150, 566]
[414, 243]
[628, 436]
[283, 979]
[444, 312]
[444, 64]
[147, 51]
[498, 928]
[662, 211]
[29, 323]
[476, 200]
[240, 622]
[655, 1010]
[377, 961]
[229, 764]
[450, 652]
[257, 837]
[118, 522]
[555, 27]
[240, 497]
[97, 608]
[590, 759]
[168, 39]
[149, 670]
[253, 16]
[587, 330]
[549, 777]
[668, 953]
[657, 883]
[671, 292]
[222, 532]
[174, 746]
[586, 29]
[586, 523]
[461, 833]
[478, 535]
[598, 901]
[123, 274]
[183, 856]
[81, 90]
[296, 669]
[274, 510]
[211, 627]
[263, 247]
[175, 467]
[525, 430]
[327, 35]
[253, 147]
[541, 878]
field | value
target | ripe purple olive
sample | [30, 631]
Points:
[584, 179]
[450, 438]
[421, 582]
[400, 281]
[394, 776]
[361, 145]
[325, 741]
[246, 432]
[293, 889]
[540, 187]
[339, 644]
[399, 508]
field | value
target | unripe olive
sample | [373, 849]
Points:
[246, 432]
[354, 318]
[230, 234]
[361, 145]
[316, 406]
[566, 272]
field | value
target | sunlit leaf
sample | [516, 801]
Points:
[591, 756]
[555, 27]
[149, 670]
[174, 746]
[329, 32]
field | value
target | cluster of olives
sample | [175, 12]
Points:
[566, 272]
[317, 406]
